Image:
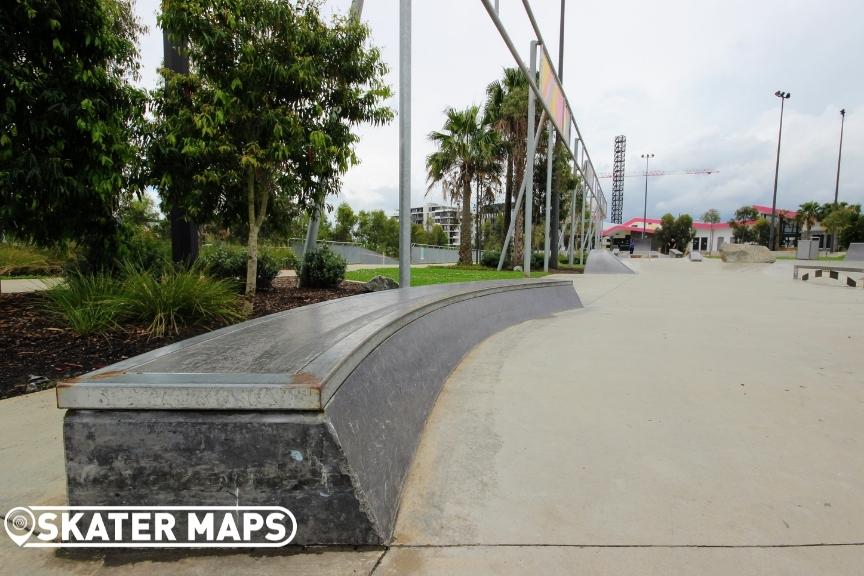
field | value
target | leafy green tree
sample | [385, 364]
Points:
[855, 231]
[506, 102]
[712, 217]
[761, 231]
[418, 234]
[839, 219]
[741, 224]
[465, 146]
[70, 121]
[683, 232]
[808, 214]
[346, 221]
[378, 232]
[268, 110]
[437, 236]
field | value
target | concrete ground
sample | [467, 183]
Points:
[696, 418]
[17, 285]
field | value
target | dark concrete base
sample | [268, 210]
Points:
[339, 470]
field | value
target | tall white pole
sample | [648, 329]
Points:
[550, 148]
[529, 167]
[404, 143]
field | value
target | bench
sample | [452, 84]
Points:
[318, 409]
[833, 273]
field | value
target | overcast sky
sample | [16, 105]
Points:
[690, 81]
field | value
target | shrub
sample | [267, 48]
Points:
[490, 259]
[176, 298]
[229, 263]
[89, 303]
[322, 268]
[283, 256]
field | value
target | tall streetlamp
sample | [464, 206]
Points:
[783, 97]
[645, 208]
[839, 155]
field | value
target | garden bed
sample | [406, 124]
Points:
[38, 348]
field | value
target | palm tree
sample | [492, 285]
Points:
[712, 217]
[464, 147]
[506, 102]
[808, 215]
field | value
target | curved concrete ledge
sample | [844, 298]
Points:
[318, 409]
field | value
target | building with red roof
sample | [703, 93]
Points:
[707, 237]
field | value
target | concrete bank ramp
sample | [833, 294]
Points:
[602, 261]
[855, 252]
[318, 409]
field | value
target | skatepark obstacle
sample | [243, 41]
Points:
[601, 261]
[317, 409]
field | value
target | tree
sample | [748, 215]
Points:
[761, 231]
[855, 231]
[464, 147]
[664, 236]
[682, 232]
[808, 214]
[506, 103]
[346, 220]
[741, 224]
[437, 236]
[712, 217]
[268, 109]
[378, 232]
[70, 121]
[839, 219]
[418, 234]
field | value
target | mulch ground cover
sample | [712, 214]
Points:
[37, 349]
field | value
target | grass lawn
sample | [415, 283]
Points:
[439, 274]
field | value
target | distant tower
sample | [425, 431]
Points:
[618, 179]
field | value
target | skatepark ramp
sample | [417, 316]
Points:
[601, 261]
[353, 253]
[317, 409]
[855, 253]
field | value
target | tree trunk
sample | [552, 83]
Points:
[252, 240]
[465, 234]
[508, 195]
[519, 228]
[554, 218]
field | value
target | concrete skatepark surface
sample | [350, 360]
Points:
[689, 420]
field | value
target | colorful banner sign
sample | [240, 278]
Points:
[553, 95]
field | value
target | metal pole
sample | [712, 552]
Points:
[839, 156]
[645, 206]
[554, 214]
[404, 143]
[837, 182]
[572, 216]
[518, 204]
[549, 153]
[529, 169]
[315, 215]
[783, 96]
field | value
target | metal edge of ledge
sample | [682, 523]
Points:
[308, 390]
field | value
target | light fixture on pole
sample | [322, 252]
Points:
[839, 155]
[783, 97]
[645, 208]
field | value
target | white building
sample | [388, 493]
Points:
[431, 214]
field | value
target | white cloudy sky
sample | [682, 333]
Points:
[690, 81]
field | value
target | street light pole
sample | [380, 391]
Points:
[645, 208]
[839, 155]
[771, 236]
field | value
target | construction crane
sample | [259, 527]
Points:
[703, 172]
